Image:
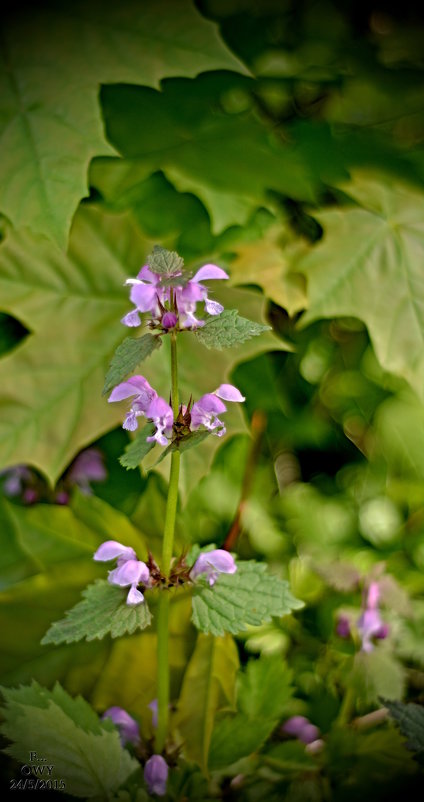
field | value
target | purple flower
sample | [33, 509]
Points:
[370, 624]
[176, 307]
[343, 626]
[129, 731]
[162, 416]
[87, 467]
[15, 479]
[129, 570]
[138, 387]
[213, 563]
[206, 410]
[156, 775]
[300, 727]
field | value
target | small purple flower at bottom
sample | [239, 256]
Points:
[213, 563]
[128, 571]
[300, 727]
[156, 775]
[129, 731]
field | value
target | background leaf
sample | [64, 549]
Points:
[51, 120]
[209, 683]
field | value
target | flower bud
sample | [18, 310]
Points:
[156, 775]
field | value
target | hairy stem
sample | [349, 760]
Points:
[167, 548]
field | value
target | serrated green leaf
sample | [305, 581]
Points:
[410, 720]
[250, 596]
[165, 262]
[51, 122]
[368, 265]
[127, 356]
[185, 443]
[228, 329]
[89, 759]
[263, 692]
[209, 683]
[376, 674]
[102, 611]
[138, 448]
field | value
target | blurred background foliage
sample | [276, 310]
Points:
[290, 152]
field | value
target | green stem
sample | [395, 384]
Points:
[347, 707]
[167, 549]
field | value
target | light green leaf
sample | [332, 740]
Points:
[228, 329]
[128, 356]
[229, 161]
[410, 720]
[165, 262]
[89, 759]
[54, 62]
[264, 688]
[102, 611]
[268, 263]
[237, 737]
[376, 674]
[369, 265]
[263, 692]
[138, 448]
[209, 683]
[250, 596]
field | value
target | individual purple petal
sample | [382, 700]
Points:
[130, 421]
[212, 563]
[210, 403]
[131, 319]
[189, 295]
[213, 307]
[159, 408]
[143, 296]
[373, 596]
[111, 549]
[129, 731]
[129, 573]
[209, 272]
[145, 274]
[169, 320]
[136, 385]
[156, 775]
[229, 393]
[134, 596]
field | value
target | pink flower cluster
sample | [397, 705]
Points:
[146, 402]
[172, 307]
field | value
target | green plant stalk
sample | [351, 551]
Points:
[167, 548]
